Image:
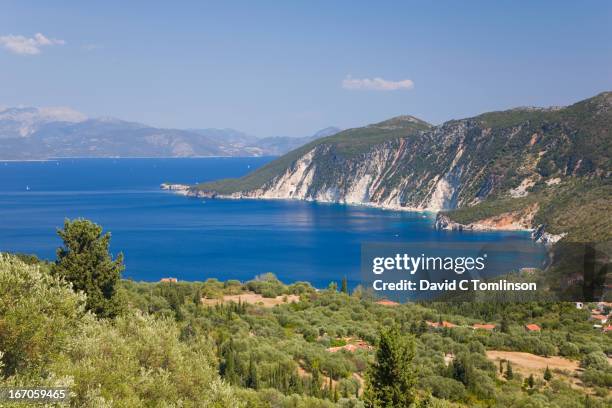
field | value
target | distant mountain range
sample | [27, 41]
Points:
[41, 133]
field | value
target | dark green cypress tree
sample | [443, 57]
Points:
[461, 369]
[530, 381]
[504, 325]
[228, 367]
[284, 375]
[85, 261]
[423, 327]
[315, 385]
[344, 287]
[509, 373]
[197, 296]
[547, 374]
[391, 379]
[252, 380]
[296, 385]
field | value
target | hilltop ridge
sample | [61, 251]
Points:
[530, 163]
[28, 133]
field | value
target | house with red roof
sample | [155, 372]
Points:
[385, 302]
[532, 327]
[600, 318]
[442, 325]
[481, 326]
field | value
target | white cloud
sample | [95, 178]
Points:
[18, 44]
[376, 84]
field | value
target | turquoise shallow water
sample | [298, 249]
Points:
[162, 234]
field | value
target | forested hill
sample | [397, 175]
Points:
[511, 169]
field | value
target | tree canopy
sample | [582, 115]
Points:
[391, 380]
[85, 261]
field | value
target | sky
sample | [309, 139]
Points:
[290, 68]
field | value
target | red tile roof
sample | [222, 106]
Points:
[443, 324]
[532, 327]
[483, 326]
[386, 302]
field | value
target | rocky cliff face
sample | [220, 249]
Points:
[404, 163]
[521, 219]
[375, 178]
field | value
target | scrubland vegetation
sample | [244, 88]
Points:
[134, 344]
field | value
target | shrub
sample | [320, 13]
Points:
[139, 360]
[443, 387]
[38, 314]
[596, 360]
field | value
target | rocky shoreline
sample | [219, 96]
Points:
[538, 234]
[182, 189]
[442, 221]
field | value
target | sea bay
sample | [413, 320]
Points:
[166, 235]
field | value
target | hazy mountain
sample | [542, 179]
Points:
[40, 133]
[283, 144]
[227, 136]
[22, 122]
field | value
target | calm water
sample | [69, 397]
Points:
[162, 234]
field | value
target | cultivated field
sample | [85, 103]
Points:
[527, 363]
[252, 298]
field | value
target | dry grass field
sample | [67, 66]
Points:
[252, 298]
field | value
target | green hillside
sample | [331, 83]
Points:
[580, 209]
[350, 142]
[314, 349]
[556, 159]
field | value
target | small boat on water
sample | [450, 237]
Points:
[27, 188]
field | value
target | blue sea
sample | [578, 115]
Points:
[166, 235]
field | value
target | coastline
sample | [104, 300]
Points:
[127, 157]
[441, 222]
[27, 160]
[185, 190]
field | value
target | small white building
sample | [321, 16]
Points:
[600, 318]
